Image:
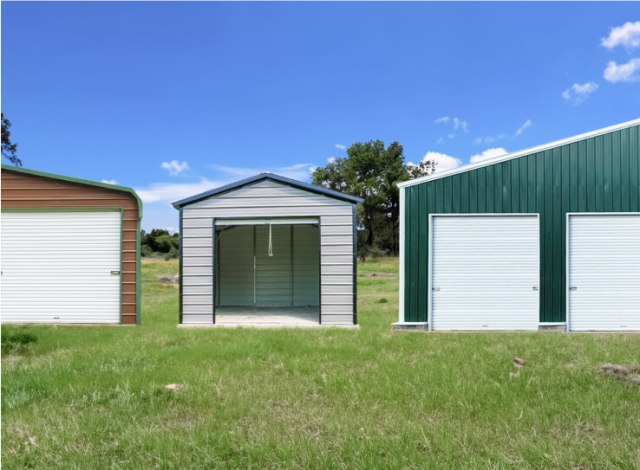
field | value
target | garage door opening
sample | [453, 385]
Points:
[484, 272]
[267, 272]
[603, 275]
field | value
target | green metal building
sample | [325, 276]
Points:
[545, 237]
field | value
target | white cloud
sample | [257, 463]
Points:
[489, 139]
[174, 167]
[627, 35]
[578, 92]
[444, 161]
[297, 171]
[109, 181]
[440, 140]
[442, 120]
[527, 124]
[622, 72]
[171, 192]
[460, 124]
[340, 147]
[331, 160]
[488, 154]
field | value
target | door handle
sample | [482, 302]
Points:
[573, 288]
[435, 289]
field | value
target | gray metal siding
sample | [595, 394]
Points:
[306, 264]
[270, 199]
[235, 265]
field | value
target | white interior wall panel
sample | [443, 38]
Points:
[61, 267]
[485, 272]
[604, 272]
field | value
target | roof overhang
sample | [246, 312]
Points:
[520, 153]
[273, 177]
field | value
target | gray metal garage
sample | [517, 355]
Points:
[268, 250]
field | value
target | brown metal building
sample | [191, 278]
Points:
[70, 250]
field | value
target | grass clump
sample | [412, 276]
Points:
[17, 341]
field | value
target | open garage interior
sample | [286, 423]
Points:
[268, 272]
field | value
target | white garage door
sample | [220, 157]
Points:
[604, 272]
[485, 272]
[61, 267]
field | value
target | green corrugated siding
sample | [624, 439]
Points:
[599, 174]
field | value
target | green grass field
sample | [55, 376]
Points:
[94, 397]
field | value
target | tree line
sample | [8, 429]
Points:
[372, 172]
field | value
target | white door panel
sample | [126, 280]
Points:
[485, 272]
[61, 267]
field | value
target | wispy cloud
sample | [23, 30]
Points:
[298, 171]
[456, 123]
[460, 124]
[164, 192]
[440, 141]
[578, 92]
[627, 35]
[526, 125]
[174, 167]
[109, 181]
[443, 161]
[331, 160]
[488, 154]
[340, 147]
[489, 139]
[622, 72]
[171, 192]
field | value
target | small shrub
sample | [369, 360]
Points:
[382, 301]
[146, 251]
[17, 342]
[375, 252]
[172, 254]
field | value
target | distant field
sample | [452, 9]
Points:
[95, 397]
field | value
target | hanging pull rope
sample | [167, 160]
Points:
[270, 241]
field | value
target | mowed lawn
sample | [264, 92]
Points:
[95, 397]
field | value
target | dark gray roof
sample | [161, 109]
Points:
[269, 176]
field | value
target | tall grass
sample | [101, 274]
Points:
[95, 397]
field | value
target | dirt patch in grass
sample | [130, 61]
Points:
[383, 275]
[627, 373]
[168, 280]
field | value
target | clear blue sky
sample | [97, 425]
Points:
[111, 91]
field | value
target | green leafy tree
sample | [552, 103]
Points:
[9, 149]
[372, 171]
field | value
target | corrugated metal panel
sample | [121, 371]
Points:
[604, 272]
[57, 267]
[600, 174]
[270, 199]
[235, 265]
[306, 266]
[485, 273]
[274, 276]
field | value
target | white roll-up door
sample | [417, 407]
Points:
[485, 272]
[61, 267]
[603, 277]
